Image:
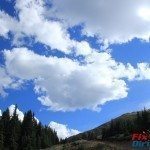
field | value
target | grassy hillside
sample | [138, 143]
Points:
[92, 145]
[97, 132]
[118, 137]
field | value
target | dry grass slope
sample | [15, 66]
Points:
[92, 145]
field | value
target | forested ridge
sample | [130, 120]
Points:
[25, 135]
[118, 129]
[122, 129]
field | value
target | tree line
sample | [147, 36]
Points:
[25, 135]
[122, 129]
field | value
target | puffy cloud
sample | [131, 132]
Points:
[62, 130]
[48, 32]
[18, 112]
[83, 48]
[4, 81]
[112, 21]
[6, 23]
[7, 82]
[144, 71]
[65, 85]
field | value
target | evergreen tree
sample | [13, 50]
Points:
[27, 130]
[25, 135]
[1, 136]
[5, 123]
[15, 127]
[138, 121]
[145, 120]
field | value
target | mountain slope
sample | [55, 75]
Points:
[113, 135]
[92, 145]
[96, 133]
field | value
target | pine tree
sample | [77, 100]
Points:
[38, 135]
[5, 123]
[15, 126]
[26, 130]
[138, 122]
[26, 135]
[145, 119]
[1, 136]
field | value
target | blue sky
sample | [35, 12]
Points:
[103, 61]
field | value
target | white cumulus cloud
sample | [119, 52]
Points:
[48, 32]
[113, 21]
[63, 84]
[62, 130]
[7, 82]
[83, 48]
[18, 112]
[39, 28]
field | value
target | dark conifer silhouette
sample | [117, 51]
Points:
[25, 135]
